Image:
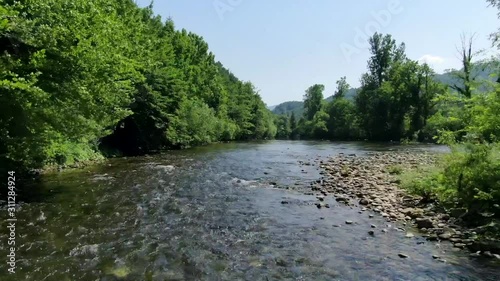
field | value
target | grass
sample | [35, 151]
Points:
[395, 170]
[425, 182]
[468, 178]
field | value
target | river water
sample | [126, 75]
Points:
[215, 213]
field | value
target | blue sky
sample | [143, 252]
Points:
[285, 46]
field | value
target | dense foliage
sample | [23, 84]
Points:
[468, 177]
[82, 79]
[468, 120]
[77, 77]
[394, 102]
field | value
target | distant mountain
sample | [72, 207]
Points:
[288, 107]
[350, 95]
[271, 107]
[479, 72]
[298, 106]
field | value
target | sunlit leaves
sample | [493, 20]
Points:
[74, 72]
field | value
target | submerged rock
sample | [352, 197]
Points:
[165, 168]
[85, 250]
[342, 199]
[103, 177]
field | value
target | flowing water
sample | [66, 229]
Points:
[215, 213]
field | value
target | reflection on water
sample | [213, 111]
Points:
[216, 213]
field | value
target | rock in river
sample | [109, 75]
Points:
[424, 223]
[342, 199]
[445, 236]
[364, 202]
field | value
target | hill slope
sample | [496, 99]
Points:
[298, 106]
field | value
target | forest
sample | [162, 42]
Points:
[85, 79]
[399, 100]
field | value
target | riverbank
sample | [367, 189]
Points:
[372, 182]
[215, 216]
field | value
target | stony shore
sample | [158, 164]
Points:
[369, 183]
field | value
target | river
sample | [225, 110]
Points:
[216, 213]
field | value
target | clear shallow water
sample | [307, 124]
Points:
[210, 213]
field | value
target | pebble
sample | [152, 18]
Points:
[445, 236]
[367, 179]
[364, 202]
[403, 256]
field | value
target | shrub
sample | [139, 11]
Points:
[426, 182]
[468, 177]
[394, 170]
[474, 172]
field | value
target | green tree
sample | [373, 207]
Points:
[342, 114]
[465, 75]
[374, 100]
[342, 88]
[283, 127]
[79, 76]
[319, 128]
[313, 100]
[293, 126]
